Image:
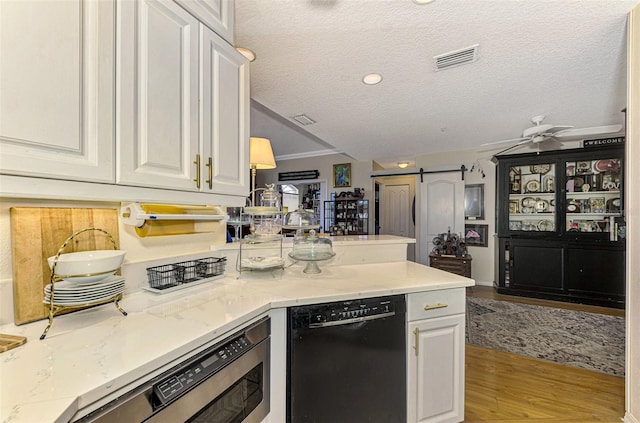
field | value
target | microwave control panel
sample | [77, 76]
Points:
[207, 364]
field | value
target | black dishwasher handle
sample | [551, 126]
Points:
[352, 320]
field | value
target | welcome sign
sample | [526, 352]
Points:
[603, 141]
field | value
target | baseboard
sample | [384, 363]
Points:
[484, 283]
[628, 418]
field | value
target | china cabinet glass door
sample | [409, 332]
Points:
[532, 197]
[593, 198]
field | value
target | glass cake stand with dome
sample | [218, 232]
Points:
[300, 220]
[312, 249]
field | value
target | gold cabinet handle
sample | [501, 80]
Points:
[416, 334]
[209, 165]
[197, 163]
[433, 307]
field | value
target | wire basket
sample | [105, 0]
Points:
[187, 271]
[184, 272]
[211, 266]
[163, 277]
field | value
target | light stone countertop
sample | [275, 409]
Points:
[93, 355]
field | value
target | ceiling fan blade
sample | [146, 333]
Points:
[504, 141]
[557, 128]
[583, 132]
[549, 144]
[507, 149]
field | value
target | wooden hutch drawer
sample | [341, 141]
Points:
[453, 264]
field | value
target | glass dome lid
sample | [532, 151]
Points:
[300, 219]
[312, 249]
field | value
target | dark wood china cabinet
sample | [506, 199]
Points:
[560, 224]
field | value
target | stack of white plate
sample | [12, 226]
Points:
[262, 262]
[73, 294]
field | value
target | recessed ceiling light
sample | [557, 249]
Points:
[247, 53]
[423, 1]
[403, 165]
[372, 78]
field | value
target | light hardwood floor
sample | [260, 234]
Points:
[509, 388]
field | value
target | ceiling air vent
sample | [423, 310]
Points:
[456, 58]
[303, 119]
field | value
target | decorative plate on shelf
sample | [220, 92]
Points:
[514, 207]
[528, 202]
[583, 167]
[548, 184]
[545, 225]
[613, 205]
[573, 207]
[541, 206]
[578, 182]
[540, 168]
[532, 186]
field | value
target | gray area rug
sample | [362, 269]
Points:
[575, 338]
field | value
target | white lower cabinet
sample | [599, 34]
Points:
[435, 356]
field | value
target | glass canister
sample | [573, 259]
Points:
[269, 197]
[265, 221]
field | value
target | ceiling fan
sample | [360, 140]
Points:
[543, 133]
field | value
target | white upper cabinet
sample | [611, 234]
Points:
[225, 115]
[139, 96]
[157, 95]
[216, 14]
[56, 97]
[183, 103]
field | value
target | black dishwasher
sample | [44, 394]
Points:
[346, 362]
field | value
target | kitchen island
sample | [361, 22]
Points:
[92, 356]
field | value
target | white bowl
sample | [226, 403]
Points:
[87, 266]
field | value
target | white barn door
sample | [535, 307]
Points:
[441, 207]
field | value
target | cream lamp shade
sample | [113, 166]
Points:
[261, 154]
[260, 157]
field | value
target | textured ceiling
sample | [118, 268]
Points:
[564, 59]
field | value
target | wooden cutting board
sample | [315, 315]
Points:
[8, 342]
[37, 234]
